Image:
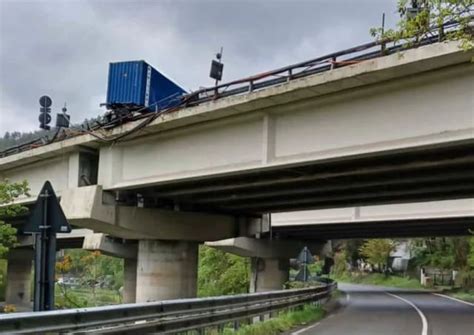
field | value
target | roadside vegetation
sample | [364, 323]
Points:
[283, 322]
[379, 279]
[221, 273]
[466, 295]
[86, 279]
[9, 192]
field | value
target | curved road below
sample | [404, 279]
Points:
[375, 310]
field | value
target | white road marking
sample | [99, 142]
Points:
[305, 329]
[455, 299]
[424, 330]
[348, 297]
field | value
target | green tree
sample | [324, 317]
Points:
[418, 24]
[377, 251]
[446, 253]
[351, 248]
[470, 258]
[9, 192]
[221, 273]
[340, 263]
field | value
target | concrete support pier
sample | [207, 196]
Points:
[166, 270]
[19, 269]
[129, 280]
[269, 274]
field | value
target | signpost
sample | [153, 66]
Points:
[46, 219]
[304, 258]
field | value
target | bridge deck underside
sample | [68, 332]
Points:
[378, 229]
[411, 175]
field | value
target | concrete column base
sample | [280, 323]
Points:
[166, 270]
[268, 274]
[18, 289]
[129, 280]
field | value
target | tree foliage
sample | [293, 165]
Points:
[340, 263]
[448, 253]
[9, 192]
[377, 251]
[470, 258]
[428, 18]
[445, 253]
[221, 273]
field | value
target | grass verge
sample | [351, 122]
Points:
[379, 279]
[463, 295]
[83, 297]
[284, 322]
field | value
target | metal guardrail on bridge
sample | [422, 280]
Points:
[168, 317]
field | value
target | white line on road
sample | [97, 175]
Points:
[455, 299]
[424, 330]
[304, 329]
[348, 297]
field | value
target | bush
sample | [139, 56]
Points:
[340, 263]
[221, 273]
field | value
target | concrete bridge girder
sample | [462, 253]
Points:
[265, 248]
[362, 121]
[88, 240]
[84, 207]
[331, 116]
[433, 218]
[107, 246]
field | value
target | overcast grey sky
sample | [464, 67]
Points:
[62, 48]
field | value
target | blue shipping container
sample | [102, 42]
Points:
[136, 84]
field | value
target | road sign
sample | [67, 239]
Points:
[45, 101]
[46, 219]
[47, 205]
[304, 258]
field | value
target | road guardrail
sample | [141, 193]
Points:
[167, 317]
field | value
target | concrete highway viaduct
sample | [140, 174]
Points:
[397, 129]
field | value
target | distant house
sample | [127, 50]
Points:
[401, 256]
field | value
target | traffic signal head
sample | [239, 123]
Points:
[45, 112]
[44, 119]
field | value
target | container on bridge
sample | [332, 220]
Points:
[136, 85]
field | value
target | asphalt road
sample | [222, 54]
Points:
[372, 310]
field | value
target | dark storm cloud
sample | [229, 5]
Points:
[63, 48]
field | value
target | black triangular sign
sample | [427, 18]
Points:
[305, 256]
[55, 217]
[303, 275]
